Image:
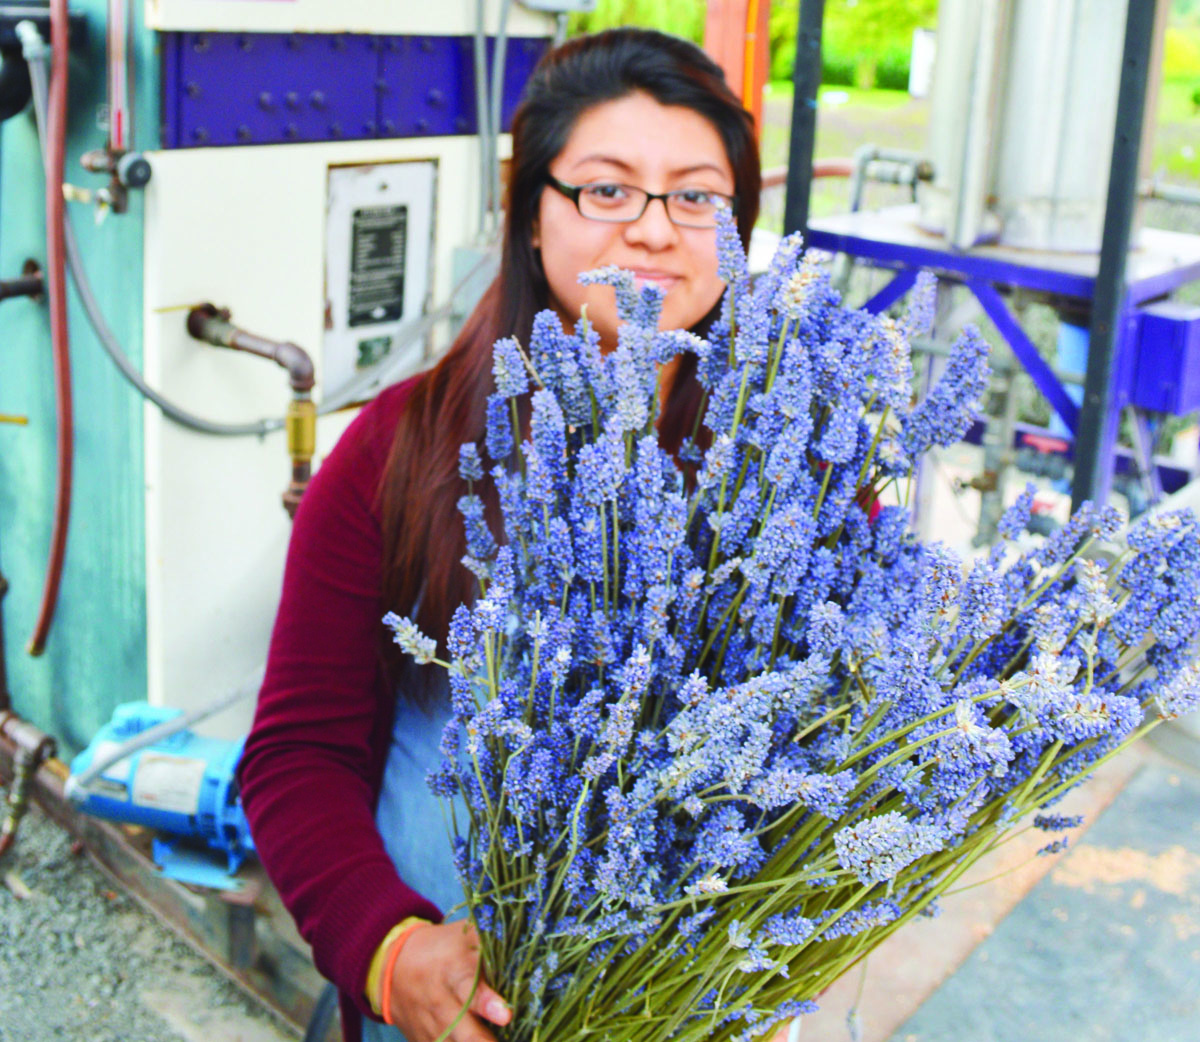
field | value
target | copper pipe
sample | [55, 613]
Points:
[24, 286]
[33, 748]
[776, 177]
[59, 336]
[211, 324]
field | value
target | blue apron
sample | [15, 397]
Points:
[411, 819]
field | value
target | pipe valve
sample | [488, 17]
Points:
[211, 324]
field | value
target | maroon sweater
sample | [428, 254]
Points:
[313, 764]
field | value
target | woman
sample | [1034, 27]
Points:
[624, 145]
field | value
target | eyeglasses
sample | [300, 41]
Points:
[624, 204]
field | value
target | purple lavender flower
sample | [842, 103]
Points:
[859, 920]
[791, 929]
[879, 848]
[731, 257]
[632, 410]
[499, 438]
[981, 604]
[674, 677]
[601, 469]
[1057, 822]
[508, 369]
[1016, 518]
[893, 364]
[410, 639]
[470, 467]
[944, 416]
[480, 543]
[826, 623]
[1181, 695]
[839, 439]
[621, 282]
[922, 306]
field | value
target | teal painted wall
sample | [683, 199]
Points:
[96, 653]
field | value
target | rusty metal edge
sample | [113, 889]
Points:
[272, 971]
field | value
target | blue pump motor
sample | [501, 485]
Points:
[182, 784]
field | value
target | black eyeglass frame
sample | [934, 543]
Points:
[573, 192]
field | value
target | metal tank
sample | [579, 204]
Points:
[1022, 110]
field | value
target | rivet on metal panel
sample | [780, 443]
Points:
[339, 43]
[422, 126]
[265, 101]
[200, 134]
[389, 126]
[426, 46]
[376, 44]
[317, 99]
[335, 129]
[292, 99]
[243, 132]
[193, 89]
[291, 131]
[381, 85]
[246, 43]
[369, 127]
[201, 44]
[393, 45]
[435, 97]
[462, 124]
[294, 42]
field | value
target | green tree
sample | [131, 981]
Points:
[679, 17]
[860, 33]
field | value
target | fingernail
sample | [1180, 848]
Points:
[497, 1010]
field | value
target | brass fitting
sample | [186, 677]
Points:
[301, 426]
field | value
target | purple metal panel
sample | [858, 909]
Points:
[967, 265]
[267, 88]
[523, 54]
[274, 88]
[169, 131]
[427, 86]
[1026, 352]
[1167, 377]
[428, 83]
[892, 292]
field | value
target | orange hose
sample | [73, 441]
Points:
[751, 33]
[56, 286]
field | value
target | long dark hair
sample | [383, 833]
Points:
[423, 539]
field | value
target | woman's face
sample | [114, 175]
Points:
[660, 148]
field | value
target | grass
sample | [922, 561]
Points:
[1177, 139]
[848, 117]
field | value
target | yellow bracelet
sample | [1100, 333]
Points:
[374, 988]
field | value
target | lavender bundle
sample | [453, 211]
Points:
[720, 723]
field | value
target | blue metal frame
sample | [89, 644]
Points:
[223, 89]
[982, 274]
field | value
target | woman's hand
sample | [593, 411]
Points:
[432, 981]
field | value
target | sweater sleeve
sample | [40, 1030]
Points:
[310, 771]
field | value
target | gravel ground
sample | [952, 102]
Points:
[81, 960]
